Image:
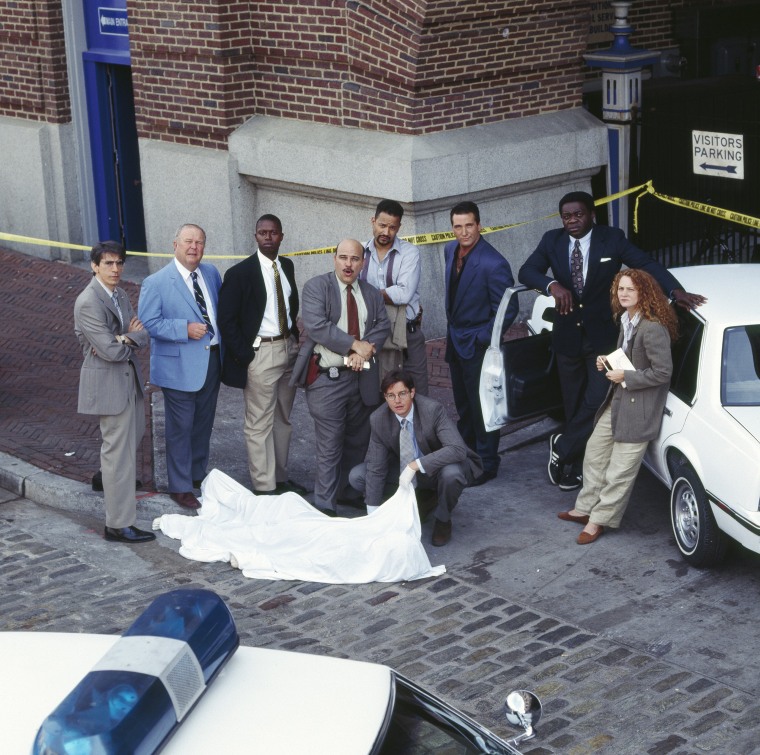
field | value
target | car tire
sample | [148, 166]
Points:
[697, 535]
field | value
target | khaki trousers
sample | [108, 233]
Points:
[609, 472]
[268, 402]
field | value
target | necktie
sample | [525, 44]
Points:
[115, 300]
[352, 312]
[576, 269]
[282, 315]
[201, 302]
[406, 447]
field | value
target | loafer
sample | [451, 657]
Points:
[291, 487]
[482, 479]
[128, 535]
[554, 468]
[186, 500]
[566, 516]
[570, 481]
[441, 533]
[584, 538]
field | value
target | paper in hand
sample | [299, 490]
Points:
[617, 360]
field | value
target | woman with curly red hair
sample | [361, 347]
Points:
[632, 412]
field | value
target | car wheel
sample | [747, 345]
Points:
[697, 534]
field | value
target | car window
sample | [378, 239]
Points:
[686, 356]
[740, 373]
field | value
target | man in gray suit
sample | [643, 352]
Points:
[110, 385]
[345, 324]
[436, 451]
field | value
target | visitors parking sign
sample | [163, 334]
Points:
[716, 154]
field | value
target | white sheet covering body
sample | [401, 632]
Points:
[284, 537]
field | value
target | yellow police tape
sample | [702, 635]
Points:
[437, 238]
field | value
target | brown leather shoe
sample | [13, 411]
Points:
[584, 538]
[441, 533]
[566, 516]
[186, 500]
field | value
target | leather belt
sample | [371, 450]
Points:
[271, 339]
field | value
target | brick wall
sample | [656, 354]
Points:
[33, 81]
[200, 69]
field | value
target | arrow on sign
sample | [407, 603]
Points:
[727, 168]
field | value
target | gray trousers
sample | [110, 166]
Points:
[122, 434]
[448, 482]
[341, 427]
[415, 362]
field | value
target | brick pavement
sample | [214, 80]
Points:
[39, 370]
[457, 638]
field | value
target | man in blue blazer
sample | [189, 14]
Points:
[178, 307]
[476, 278]
[584, 327]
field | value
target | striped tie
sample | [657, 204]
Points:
[282, 315]
[201, 302]
[115, 300]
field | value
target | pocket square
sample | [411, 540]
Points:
[605, 259]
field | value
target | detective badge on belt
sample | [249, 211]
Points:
[333, 373]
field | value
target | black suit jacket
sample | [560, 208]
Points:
[608, 252]
[242, 300]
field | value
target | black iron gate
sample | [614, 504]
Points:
[672, 110]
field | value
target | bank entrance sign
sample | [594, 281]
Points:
[716, 154]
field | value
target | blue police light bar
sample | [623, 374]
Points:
[137, 695]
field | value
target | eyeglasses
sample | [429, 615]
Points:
[392, 396]
[112, 263]
[578, 214]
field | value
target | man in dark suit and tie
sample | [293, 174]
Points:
[412, 434]
[110, 385]
[178, 306]
[584, 259]
[258, 307]
[476, 278]
[346, 325]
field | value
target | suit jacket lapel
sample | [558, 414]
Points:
[469, 273]
[420, 433]
[594, 255]
[184, 291]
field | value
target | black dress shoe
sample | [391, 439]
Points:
[354, 503]
[441, 533]
[128, 535]
[482, 479]
[197, 484]
[97, 482]
[291, 487]
[266, 492]
[186, 500]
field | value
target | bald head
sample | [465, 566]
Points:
[348, 259]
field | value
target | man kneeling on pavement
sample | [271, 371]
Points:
[412, 434]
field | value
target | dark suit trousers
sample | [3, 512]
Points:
[465, 384]
[583, 391]
[448, 482]
[341, 427]
[189, 417]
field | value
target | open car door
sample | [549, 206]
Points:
[519, 377]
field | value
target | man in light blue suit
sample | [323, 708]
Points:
[476, 278]
[178, 307]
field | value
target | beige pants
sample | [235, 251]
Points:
[268, 401]
[609, 472]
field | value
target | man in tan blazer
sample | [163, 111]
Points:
[110, 385]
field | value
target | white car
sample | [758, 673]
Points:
[178, 682]
[708, 449]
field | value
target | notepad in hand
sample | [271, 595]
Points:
[617, 360]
